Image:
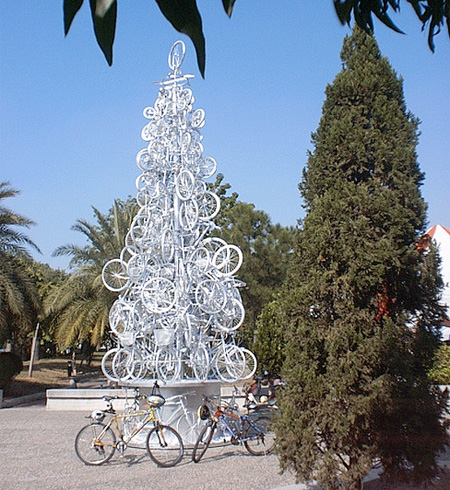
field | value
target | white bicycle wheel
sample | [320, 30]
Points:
[200, 362]
[188, 426]
[207, 167]
[159, 295]
[136, 267]
[188, 214]
[210, 296]
[208, 206]
[127, 364]
[147, 181]
[198, 262]
[176, 55]
[250, 363]
[121, 317]
[167, 245]
[230, 363]
[213, 244]
[194, 152]
[127, 253]
[184, 184]
[198, 118]
[185, 142]
[122, 364]
[228, 259]
[114, 275]
[186, 97]
[168, 364]
[143, 160]
[107, 363]
[231, 317]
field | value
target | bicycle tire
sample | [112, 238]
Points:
[168, 364]
[107, 363]
[203, 442]
[259, 438]
[128, 364]
[114, 275]
[164, 446]
[188, 427]
[200, 363]
[94, 453]
[230, 363]
[251, 363]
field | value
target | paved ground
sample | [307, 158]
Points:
[36, 452]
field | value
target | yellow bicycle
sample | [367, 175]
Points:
[96, 443]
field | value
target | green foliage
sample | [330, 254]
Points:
[269, 346]
[45, 277]
[46, 280]
[432, 12]
[440, 370]
[20, 304]
[185, 18]
[78, 309]
[360, 299]
[10, 366]
[266, 248]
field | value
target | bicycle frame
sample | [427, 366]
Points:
[220, 416]
[150, 417]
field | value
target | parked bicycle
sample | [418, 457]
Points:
[254, 433]
[96, 443]
[261, 392]
[185, 420]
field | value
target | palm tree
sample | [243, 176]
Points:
[79, 308]
[19, 299]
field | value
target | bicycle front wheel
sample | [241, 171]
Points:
[259, 437]
[188, 427]
[95, 444]
[203, 442]
[165, 446]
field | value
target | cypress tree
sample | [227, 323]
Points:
[361, 314]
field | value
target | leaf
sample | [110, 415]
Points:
[185, 18]
[447, 14]
[104, 15]
[388, 22]
[363, 10]
[71, 7]
[228, 6]
[344, 10]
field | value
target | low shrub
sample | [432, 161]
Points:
[10, 366]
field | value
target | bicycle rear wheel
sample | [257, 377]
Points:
[203, 442]
[165, 446]
[95, 444]
[259, 437]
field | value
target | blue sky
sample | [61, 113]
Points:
[70, 125]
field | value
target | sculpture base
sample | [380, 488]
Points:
[183, 398]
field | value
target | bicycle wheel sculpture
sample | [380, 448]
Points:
[179, 305]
